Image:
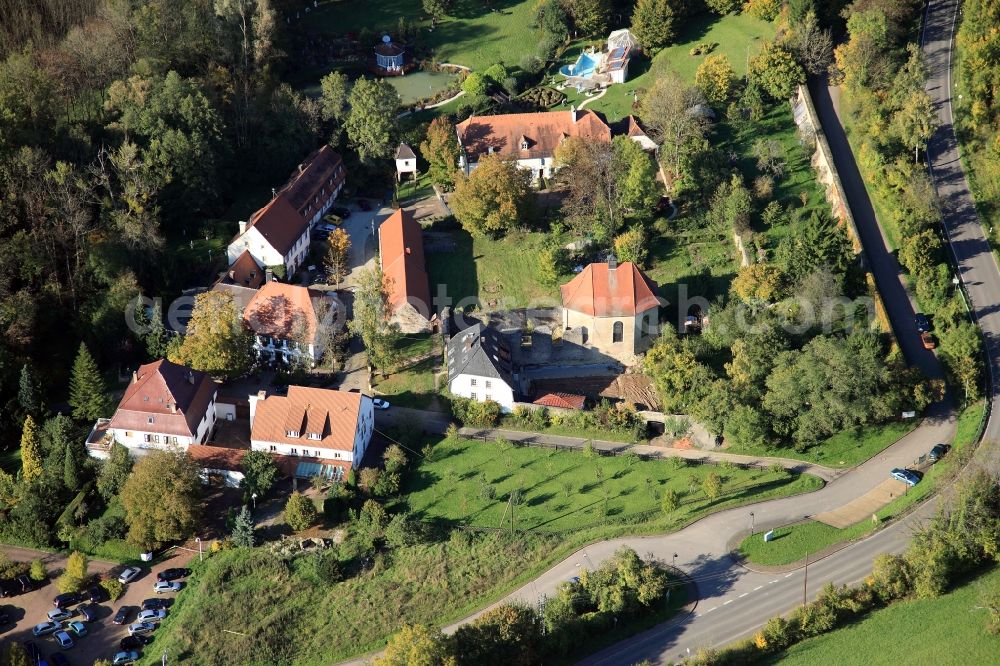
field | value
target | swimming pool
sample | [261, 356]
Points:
[584, 66]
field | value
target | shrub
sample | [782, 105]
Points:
[387, 484]
[113, 587]
[712, 485]
[542, 97]
[10, 568]
[37, 572]
[890, 577]
[104, 529]
[74, 578]
[670, 501]
[368, 478]
[476, 414]
[300, 512]
[532, 64]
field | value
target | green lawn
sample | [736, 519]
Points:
[946, 630]
[795, 541]
[845, 449]
[510, 423]
[474, 34]
[499, 274]
[413, 387]
[417, 344]
[736, 35]
[469, 482]
[415, 191]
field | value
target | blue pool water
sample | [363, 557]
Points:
[584, 66]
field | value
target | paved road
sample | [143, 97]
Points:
[103, 636]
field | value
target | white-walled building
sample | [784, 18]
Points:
[479, 367]
[275, 236]
[406, 161]
[529, 138]
[331, 429]
[314, 186]
[287, 322]
[164, 405]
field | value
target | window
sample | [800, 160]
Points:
[149, 419]
[618, 332]
[273, 447]
[128, 433]
[472, 382]
[305, 452]
[295, 452]
[292, 433]
[489, 384]
[336, 454]
[473, 397]
[524, 145]
[488, 397]
[584, 334]
[314, 435]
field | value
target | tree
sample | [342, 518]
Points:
[259, 473]
[334, 93]
[372, 320]
[114, 587]
[653, 24]
[30, 396]
[631, 246]
[680, 378]
[371, 122]
[764, 282]
[765, 10]
[114, 471]
[507, 634]
[667, 109]
[711, 485]
[74, 578]
[916, 121]
[156, 337]
[338, 255]
[243, 529]
[161, 498]
[770, 156]
[300, 512]
[812, 46]
[670, 501]
[88, 394]
[16, 654]
[552, 21]
[394, 458]
[415, 645]
[216, 340]
[723, 7]
[551, 263]
[441, 151]
[31, 453]
[732, 206]
[38, 573]
[591, 17]
[437, 9]
[476, 85]
[71, 474]
[494, 198]
[716, 78]
[776, 71]
[890, 577]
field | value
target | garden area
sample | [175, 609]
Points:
[472, 482]
[793, 542]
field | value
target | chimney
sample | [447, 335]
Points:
[268, 275]
[301, 168]
[243, 227]
[232, 275]
[274, 193]
[190, 378]
[135, 376]
[173, 408]
[612, 262]
[572, 112]
[407, 250]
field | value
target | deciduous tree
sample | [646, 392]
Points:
[371, 122]
[372, 320]
[415, 645]
[494, 199]
[716, 78]
[114, 471]
[591, 17]
[668, 109]
[74, 577]
[916, 121]
[653, 24]
[437, 9]
[338, 255]
[161, 498]
[441, 151]
[259, 473]
[776, 71]
[334, 93]
[216, 341]
[631, 246]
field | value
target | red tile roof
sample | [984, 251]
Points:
[401, 251]
[317, 177]
[543, 132]
[279, 223]
[603, 292]
[333, 415]
[245, 272]
[175, 397]
[563, 400]
[284, 311]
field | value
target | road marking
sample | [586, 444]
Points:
[789, 575]
[711, 609]
[744, 594]
[773, 581]
[757, 588]
[727, 602]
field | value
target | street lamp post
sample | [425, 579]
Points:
[751, 523]
[198, 541]
[254, 498]
[673, 562]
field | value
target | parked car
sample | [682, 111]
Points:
[7, 588]
[344, 213]
[906, 476]
[45, 628]
[923, 324]
[128, 575]
[27, 585]
[89, 613]
[135, 642]
[124, 658]
[173, 574]
[326, 228]
[77, 627]
[154, 604]
[151, 615]
[379, 403]
[928, 340]
[59, 614]
[67, 599]
[96, 594]
[165, 587]
[937, 452]
[320, 235]
[64, 639]
[141, 628]
[123, 614]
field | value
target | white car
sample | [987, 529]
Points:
[129, 575]
[141, 628]
[125, 658]
[151, 615]
[64, 639]
[59, 614]
[166, 586]
[379, 403]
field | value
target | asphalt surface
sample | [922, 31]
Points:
[101, 641]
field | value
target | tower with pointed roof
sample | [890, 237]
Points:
[614, 307]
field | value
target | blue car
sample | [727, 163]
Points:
[906, 476]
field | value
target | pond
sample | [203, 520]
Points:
[419, 85]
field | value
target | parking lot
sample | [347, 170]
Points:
[102, 639]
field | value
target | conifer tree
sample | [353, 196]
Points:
[87, 391]
[31, 453]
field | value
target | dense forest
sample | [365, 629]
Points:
[125, 128]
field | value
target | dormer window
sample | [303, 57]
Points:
[524, 144]
[314, 435]
[292, 433]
